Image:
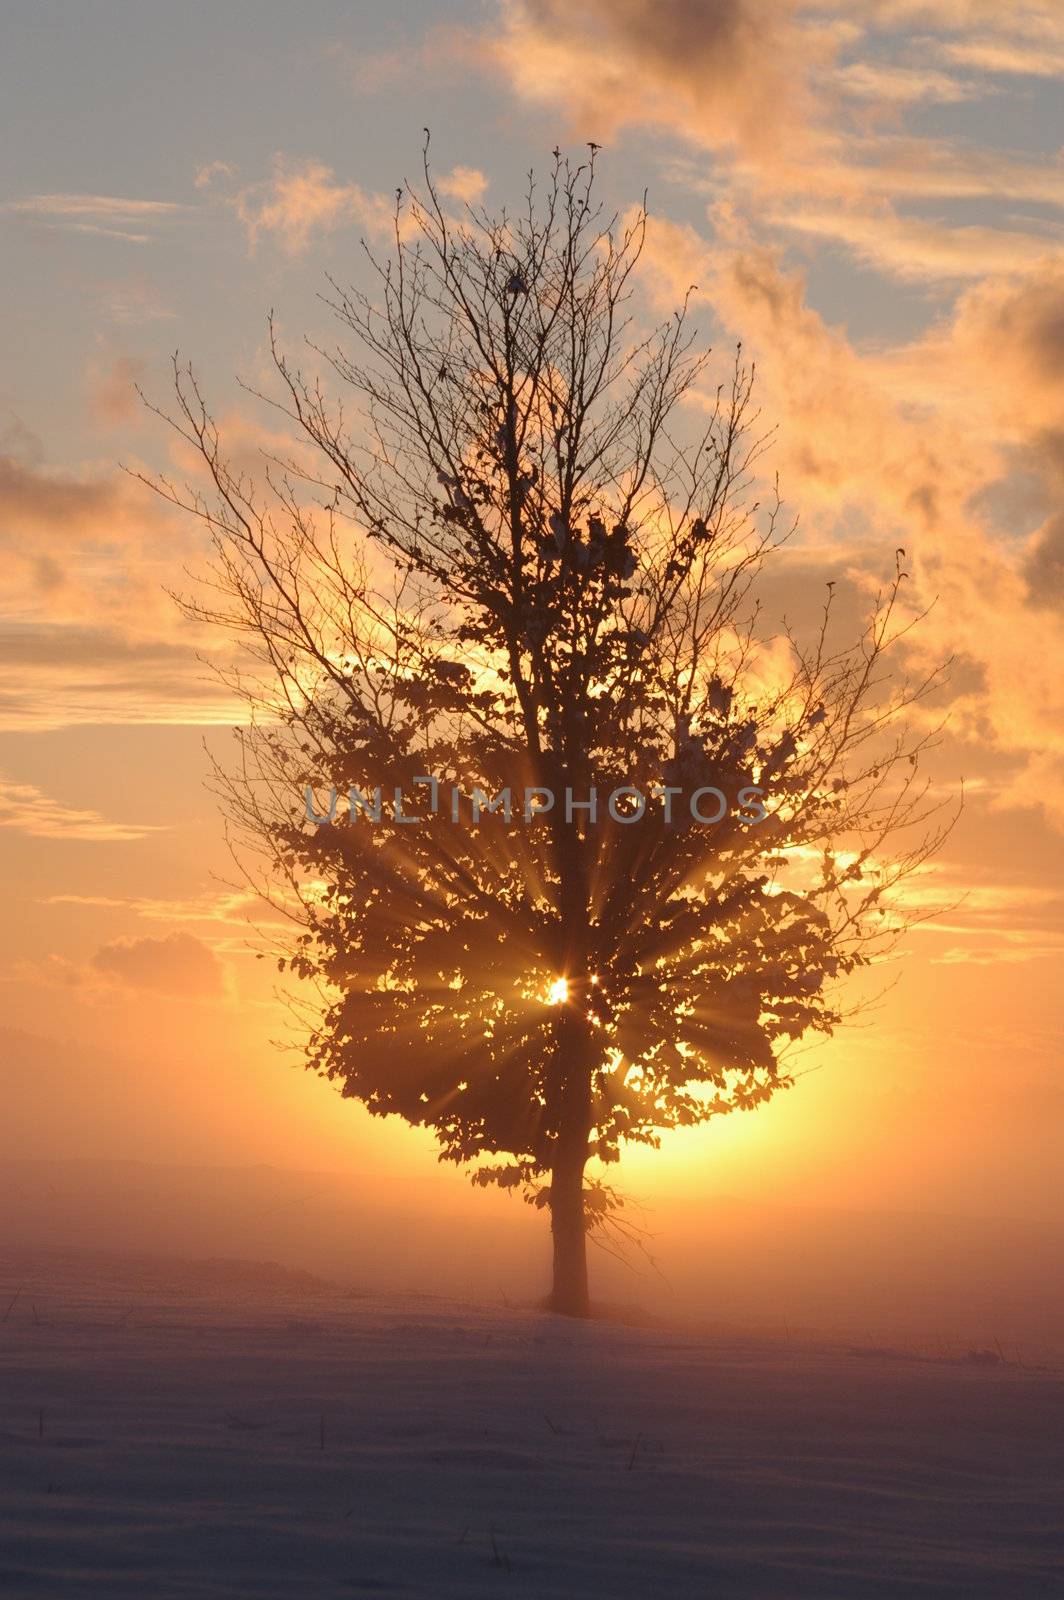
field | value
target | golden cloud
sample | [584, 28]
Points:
[87, 630]
[26, 809]
[176, 964]
[907, 462]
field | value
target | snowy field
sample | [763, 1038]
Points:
[170, 1431]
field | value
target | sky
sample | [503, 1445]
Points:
[869, 195]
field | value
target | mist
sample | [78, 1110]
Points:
[933, 1282]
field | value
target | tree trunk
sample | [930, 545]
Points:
[569, 1293]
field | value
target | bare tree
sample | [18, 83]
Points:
[515, 586]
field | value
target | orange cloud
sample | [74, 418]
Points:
[791, 99]
[899, 452]
[177, 964]
[727, 72]
[1013, 325]
[463, 183]
[923, 445]
[301, 199]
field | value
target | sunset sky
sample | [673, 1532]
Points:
[870, 195]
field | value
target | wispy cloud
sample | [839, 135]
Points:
[136, 303]
[28, 810]
[91, 205]
[110, 216]
[1004, 55]
[88, 632]
[915, 249]
[905, 86]
[228, 914]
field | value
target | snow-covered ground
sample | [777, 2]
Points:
[177, 1431]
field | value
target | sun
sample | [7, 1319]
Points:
[558, 993]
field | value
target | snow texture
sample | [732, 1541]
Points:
[176, 1431]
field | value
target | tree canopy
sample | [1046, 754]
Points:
[516, 549]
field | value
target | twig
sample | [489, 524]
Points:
[499, 1558]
